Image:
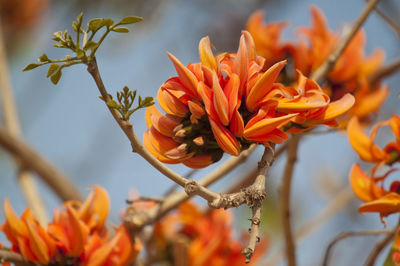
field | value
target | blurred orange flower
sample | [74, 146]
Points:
[76, 235]
[208, 236]
[351, 71]
[226, 102]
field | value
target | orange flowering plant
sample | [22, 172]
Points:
[269, 92]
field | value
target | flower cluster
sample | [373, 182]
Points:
[207, 238]
[77, 235]
[350, 74]
[226, 102]
[369, 187]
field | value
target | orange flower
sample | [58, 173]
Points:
[365, 146]
[351, 71]
[226, 102]
[209, 236]
[76, 235]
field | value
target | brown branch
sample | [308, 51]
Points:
[17, 259]
[24, 178]
[136, 219]
[285, 198]
[320, 74]
[384, 72]
[31, 160]
[254, 198]
[345, 235]
[379, 247]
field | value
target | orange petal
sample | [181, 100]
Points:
[241, 63]
[198, 161]
[266, 125]
[370, 102]
[37, 244]
[362, 144]
[187, 78]
[263, 85]
[161, 143]
[338, 107]
[206, 54]
[16, 224]
[394, 123]
[300, 104]
[196, 109]
[149, 146]
[77, 232]
[237, 124]
[220, 101]
[363, 185]
[151, 110]
[172, 104]
[231, 91]
[100, 256]
[390, 203]
[94, 210]
[225, 138]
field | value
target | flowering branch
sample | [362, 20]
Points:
[328, 65]
[11, 121]
[30, 160]
[285, 198]
[344, 235]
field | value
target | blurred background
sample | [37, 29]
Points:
[71, 127]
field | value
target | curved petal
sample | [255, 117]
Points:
[16, 224]
[237, 124]
[148, 144]
[206, 54]
[266, 125]
[388, 204]
[363, 185]
[263, 85]
[220, 101]
[337, 108]
[94, 210]
[225, 138]
[198, 161]
[37, 244]
[187, 78]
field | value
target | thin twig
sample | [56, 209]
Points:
[136, 219]
[345, 235]
[341, 199]
[379, 247]
[257, 195]
[31, 160]
[285, 199]
[17, 259]
[25, 179]
[388, 20]
[320, 74]
[384, 72]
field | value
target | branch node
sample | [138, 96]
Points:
[191, 187]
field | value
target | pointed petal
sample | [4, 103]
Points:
[237, 124]
[225, 138]
[16, 224]
[161, 143]
[187, 78]
[241, 63]
[196, 109]
[263, 85]
[266, 125]
[231, 91]
[172, 104]
[206, 54]
[77, 232]
[362, 144]
[370, 102]
[100, 256]
[220, 101]
[37, 244]
[151, 110]
[300, 104]
[364, 186]
[390, 203]
[96, 208]
[338, 107]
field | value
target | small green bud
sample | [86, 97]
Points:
[30, 66]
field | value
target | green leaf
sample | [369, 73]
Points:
[75, 26]
[56, 77]
[79, 18]
[90, 45]
[80, 53]
[95, 24]
[113, 104]
[52, 70]
[108, 22]
[30, 66]
[122, 30]
[43, 58]
[130, 20]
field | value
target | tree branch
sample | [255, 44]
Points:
[31, 160]
[379, 247]
[285, 198]
[136, 219]
[345, 235]
[24, 178]
[384, 72]
[388, 20]
[13, 257]
[328, 65]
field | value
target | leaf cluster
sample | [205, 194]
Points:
[83, 46]
[125, 99]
